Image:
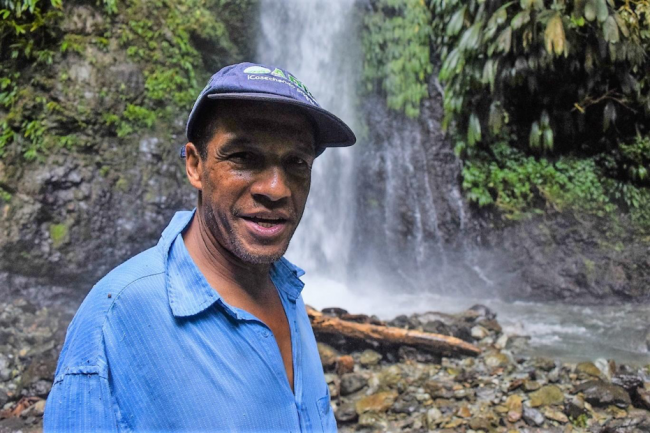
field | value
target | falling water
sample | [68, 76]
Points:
[315, 41]
[385, 229]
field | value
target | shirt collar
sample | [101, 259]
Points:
[189, 292]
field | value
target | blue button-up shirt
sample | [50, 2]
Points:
[154, 348]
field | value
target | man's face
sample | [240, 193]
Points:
[256, 177]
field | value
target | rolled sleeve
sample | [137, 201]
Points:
[80, 402]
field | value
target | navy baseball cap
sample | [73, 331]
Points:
[255, 82]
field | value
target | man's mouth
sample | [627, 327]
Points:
[265, 222]
[266, 225]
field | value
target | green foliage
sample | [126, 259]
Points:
[397, 52]
[553, 69]
[546, 101]
[517, 184]
[161, 36]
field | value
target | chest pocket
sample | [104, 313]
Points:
[328, 422]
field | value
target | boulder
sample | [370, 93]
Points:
[533, 417]
[346, 412]
[369, 357]
[379, 402]
[588, 369]
[603, 394]
[328, 355]
[546, 396]
[352, 382]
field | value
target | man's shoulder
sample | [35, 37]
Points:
[123, 291]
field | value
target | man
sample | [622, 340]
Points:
[207, 331]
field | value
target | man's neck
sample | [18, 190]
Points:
[225, 272]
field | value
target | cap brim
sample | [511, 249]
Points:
[331, 131]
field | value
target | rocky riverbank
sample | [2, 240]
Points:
[377, 388]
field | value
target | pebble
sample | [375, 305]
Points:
[533, 417]
[399, 389]
[547, 395]
[352, 382]
[369, 357]
[603, 394]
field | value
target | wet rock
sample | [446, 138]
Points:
[334, 384]
[379, 402]
[478, 332]
[433, 418]
[405, 404]
[491, 325]
[5, 370]
[346, 412]
[328, 355]
[497, 359]
[437, 327]
[637, 421]
[576, 406]
[369, 357]
[544, 364]
[643, 397]
[334, 311]
[438, 390]
[390, 377]
[531, 385]
[555, 415]
[40, 388]
[483, 311]
[546, 396]
[603, 394]
[514, 407]
[405, 322]
[344, 364]
[4, 398]
[352, 382]
[502, 342]
[627, 381]
[533, 417]
[464, 412]
[480, 423]
[587, 370]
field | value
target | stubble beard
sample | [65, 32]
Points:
[234, 244]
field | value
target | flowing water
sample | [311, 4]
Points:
[393, 213]
[304, 36]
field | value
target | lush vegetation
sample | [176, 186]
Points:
[547, 101]
[44, 107]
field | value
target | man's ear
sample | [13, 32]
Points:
[193, 165]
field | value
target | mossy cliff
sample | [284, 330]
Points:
[93, 101]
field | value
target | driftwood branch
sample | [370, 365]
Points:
[431, 342]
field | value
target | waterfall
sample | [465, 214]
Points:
[387, 212]
[316, 41]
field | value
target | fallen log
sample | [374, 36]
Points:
[431, 342]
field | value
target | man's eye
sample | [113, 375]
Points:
[299, 162]
[242, 157]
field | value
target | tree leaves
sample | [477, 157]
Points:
[520, 19]
[596, 9]
[610, 30]
[456, 22]
[609, 115]
[473, 130]
[554, 37]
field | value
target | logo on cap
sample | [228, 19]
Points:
[278, 73]
[256, 70]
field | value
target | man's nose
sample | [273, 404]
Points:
[271, 184]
